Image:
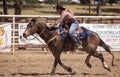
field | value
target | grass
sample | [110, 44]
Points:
[79, 10]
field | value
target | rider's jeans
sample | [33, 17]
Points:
[72, 30]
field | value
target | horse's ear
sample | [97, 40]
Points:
[34, 20]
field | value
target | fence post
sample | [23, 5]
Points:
[13, 45]
[112, 21]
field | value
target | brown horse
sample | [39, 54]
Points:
[56, 45]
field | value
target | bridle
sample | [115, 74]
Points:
[36, 35]
[51, 39]
[40, 33]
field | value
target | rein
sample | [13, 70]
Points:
[51, 39]
[43, 30]
[41, 33]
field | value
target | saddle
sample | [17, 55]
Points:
[81, 32]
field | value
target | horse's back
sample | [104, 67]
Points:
[94, 38]
[91, 42]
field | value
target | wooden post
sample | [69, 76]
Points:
[99, 8]
[89, 7]
[112, 21]
[13, 32]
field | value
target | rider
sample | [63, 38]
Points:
[67, 16]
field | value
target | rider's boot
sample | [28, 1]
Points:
[78, 46]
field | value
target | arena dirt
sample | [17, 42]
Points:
[39, 64]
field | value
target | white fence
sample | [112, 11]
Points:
[16, 19]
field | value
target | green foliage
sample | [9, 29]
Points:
[111, 1]
[31, 1]
[27, 1]
[51, 1]
[57, 1]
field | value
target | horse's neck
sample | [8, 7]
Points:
[47, 35]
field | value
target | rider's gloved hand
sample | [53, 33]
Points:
[56, 25]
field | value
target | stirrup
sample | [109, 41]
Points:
[78, 46]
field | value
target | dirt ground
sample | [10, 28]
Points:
[39, 64]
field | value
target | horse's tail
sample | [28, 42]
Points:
[107, 48]
[104, 45]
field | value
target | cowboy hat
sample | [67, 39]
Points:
[59, 7]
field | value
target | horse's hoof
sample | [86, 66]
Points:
[72, 73]
[52, 73]
[114, 65]
[89, 65]
[108, 68]
[69, 69]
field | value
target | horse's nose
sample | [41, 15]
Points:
[24, 35]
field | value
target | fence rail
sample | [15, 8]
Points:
[82, 19]
[16, 19]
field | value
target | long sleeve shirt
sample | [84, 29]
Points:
[65, 16]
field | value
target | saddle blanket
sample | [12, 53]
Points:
[81, 35]
[84, 34]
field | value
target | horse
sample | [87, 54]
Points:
[57, 46]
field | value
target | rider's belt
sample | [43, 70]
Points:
[72, 21]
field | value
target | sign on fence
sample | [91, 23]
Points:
[30, 39]
[109, 33]
[5, 37]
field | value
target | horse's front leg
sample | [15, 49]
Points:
[69, 69]
[54, 66]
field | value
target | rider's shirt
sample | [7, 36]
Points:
[65, 16]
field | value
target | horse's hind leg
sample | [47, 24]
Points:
[100, 56]
[87, 61]
[108, 50]
[112, 59]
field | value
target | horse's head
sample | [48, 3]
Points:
[31, 28]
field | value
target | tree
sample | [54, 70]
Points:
[18, 7]
[5, 7]
[99, 8]
[18, 4]
[111, 1]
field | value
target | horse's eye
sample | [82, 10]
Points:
[29, 25]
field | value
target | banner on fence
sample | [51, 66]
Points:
[31, 39]
[109, 33]
[5, 37]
